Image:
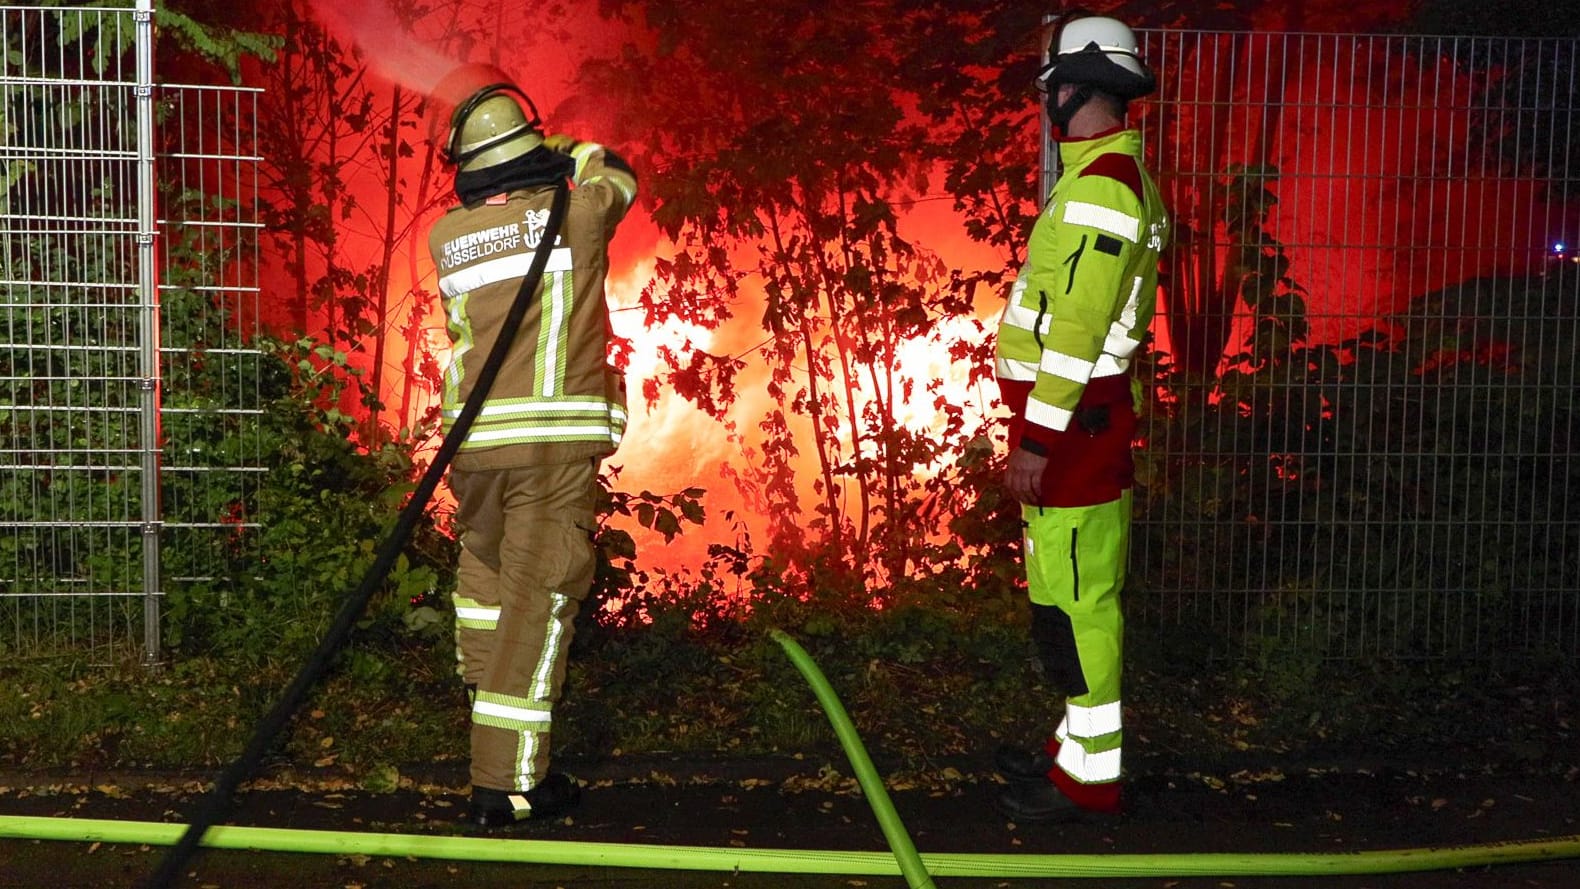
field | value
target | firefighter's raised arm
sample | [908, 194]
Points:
[598, 167]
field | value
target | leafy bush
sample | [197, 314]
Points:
[307, 531]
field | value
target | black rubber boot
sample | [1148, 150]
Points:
[1033, 801]
[493, 809]
[1019, 764]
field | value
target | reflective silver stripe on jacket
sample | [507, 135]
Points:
[504, 268]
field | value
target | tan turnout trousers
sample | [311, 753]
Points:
[526, 564]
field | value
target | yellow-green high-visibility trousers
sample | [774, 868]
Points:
[1075, 562]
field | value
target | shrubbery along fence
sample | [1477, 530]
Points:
[1361, 422]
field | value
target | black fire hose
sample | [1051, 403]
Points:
[214, 806]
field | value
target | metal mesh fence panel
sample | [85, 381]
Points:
[209, 352]
[85, 504]
[1361, 439]
[71, 441]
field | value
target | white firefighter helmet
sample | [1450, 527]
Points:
[1099, 52]
[492, 127]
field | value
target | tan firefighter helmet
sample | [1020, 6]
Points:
[494, 120]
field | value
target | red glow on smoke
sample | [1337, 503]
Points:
[1356, 176]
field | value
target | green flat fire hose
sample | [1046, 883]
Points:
[796, 861]
[903, 859]
[871, 785]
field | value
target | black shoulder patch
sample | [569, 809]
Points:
[1108, 244]
[610, 159]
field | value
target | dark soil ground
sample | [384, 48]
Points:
[1250, 806]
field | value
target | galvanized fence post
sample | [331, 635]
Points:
[148, 353]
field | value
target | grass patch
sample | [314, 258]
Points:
[925, 688]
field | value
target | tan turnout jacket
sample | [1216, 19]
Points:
[556, 400]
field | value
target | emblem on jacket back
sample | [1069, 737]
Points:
[537, 221]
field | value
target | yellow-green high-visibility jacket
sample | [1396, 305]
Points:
[1088, 289]
[555, 400]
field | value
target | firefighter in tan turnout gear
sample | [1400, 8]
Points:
[525, 478]
[1077, 313]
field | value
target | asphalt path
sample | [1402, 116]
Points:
[810, 804]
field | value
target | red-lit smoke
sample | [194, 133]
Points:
[389, 48]
[1357, 254]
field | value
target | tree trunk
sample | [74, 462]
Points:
[386, 257]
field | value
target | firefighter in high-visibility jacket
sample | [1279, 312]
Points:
[1076, 315]
[525, 478]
